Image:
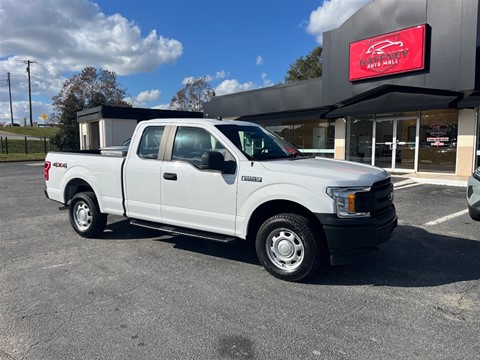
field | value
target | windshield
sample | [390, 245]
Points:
[257, 143]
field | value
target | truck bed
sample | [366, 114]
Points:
[102, 173]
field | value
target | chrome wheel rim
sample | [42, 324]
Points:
[82, 215]
[285, 249]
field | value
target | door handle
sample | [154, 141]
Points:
[170, 176]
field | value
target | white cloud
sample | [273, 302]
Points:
[45, 79]
[218, 76]
[64, 37]
[259, 60]
[143, 98]
[162, 107]
[149, 95]
[266, 81]
[21, 110]
[331, 15]
[221, 75]
[233, 86]
[70, 35]
[189, 80]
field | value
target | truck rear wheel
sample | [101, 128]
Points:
[289, 248]
[85, 216]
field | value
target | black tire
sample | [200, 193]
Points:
[474, 213]
[85, 216]
[289, 247]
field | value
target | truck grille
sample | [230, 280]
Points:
[378, 200]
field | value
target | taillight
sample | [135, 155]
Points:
[46, 169]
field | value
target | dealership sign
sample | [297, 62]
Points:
[388, 54]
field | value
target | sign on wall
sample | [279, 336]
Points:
[393, 53]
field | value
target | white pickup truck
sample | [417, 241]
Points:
[229, 180]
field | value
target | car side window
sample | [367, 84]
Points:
[191, 143]
[150, 142]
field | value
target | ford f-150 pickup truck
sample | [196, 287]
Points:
[229, 180]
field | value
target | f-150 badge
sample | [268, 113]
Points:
[252, 178]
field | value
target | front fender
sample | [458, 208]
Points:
[316, 202]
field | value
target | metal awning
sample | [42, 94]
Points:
[301, 115]
[398, 99]
[470, 101]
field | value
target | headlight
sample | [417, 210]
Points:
[345, 201]
[476, 174]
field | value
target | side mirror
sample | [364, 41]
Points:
[214, 160]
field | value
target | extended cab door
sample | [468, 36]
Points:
[142, 175]
[192, 197]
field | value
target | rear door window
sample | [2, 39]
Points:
[150, 142]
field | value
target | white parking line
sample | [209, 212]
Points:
[56, 265]
[445, 218]
[406, 186]
[403, 182]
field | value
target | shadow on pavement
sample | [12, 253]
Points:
[413, 257]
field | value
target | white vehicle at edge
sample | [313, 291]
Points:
[473, 195]
[229, 180]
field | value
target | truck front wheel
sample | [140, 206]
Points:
[85, 216]
[288, 247]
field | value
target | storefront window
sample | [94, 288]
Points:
[359, 139]
[438, 140]
[315, 138]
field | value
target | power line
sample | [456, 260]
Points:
[47, 82]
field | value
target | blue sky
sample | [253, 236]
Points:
[156, 46]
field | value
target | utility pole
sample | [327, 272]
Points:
[28, 62]
[10, 93]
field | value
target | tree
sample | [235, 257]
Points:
[307, 67]
[192, 97]
[85, 90]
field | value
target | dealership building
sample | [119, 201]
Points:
[400, 90]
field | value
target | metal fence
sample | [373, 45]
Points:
[27, 145]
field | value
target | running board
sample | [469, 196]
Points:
[183, 231]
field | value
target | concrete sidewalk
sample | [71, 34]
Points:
[435, 179]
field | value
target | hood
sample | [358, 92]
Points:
[344, 173]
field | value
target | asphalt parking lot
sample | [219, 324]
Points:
[138, 294]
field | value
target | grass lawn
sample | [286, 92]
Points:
[31, 131]
[16, 148]
[21, 157]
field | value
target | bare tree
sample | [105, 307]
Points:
[192, 97]
[85, 90]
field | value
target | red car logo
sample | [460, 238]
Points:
[383, 46]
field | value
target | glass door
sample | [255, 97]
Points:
[395, 144]
[405, 144]
[383, 132]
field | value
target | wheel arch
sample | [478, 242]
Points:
[75, 186]
[275, 207]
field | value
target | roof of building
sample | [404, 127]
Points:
[138, 114]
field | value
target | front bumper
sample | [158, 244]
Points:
[349, 239]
